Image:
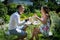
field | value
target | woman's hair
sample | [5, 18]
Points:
[46, 9]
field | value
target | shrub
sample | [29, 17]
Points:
[11, 8]
[38, 13]
[55, 26]
[29, 9]
[52, 6]
[7, 17]
[3, 11]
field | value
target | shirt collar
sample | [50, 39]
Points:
[18, 12]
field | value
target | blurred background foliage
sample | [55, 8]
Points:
[7, 10]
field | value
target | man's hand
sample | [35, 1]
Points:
[26, 20]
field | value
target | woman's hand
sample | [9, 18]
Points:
[35, 15]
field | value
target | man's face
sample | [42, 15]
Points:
[21, 9]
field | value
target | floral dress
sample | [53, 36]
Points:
[44, 28]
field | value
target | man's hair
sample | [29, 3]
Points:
[19, 6]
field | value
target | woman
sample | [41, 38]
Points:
[45, 20]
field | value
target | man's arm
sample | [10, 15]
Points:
[17, 19]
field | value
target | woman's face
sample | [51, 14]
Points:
[42, 10]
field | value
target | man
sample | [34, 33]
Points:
[15, 23]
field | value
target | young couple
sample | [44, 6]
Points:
[20, 31]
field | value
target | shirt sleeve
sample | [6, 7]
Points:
[17, 19]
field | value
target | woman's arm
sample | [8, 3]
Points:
[42, 20]
[39, 19]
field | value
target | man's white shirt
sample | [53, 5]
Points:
[15, 21]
